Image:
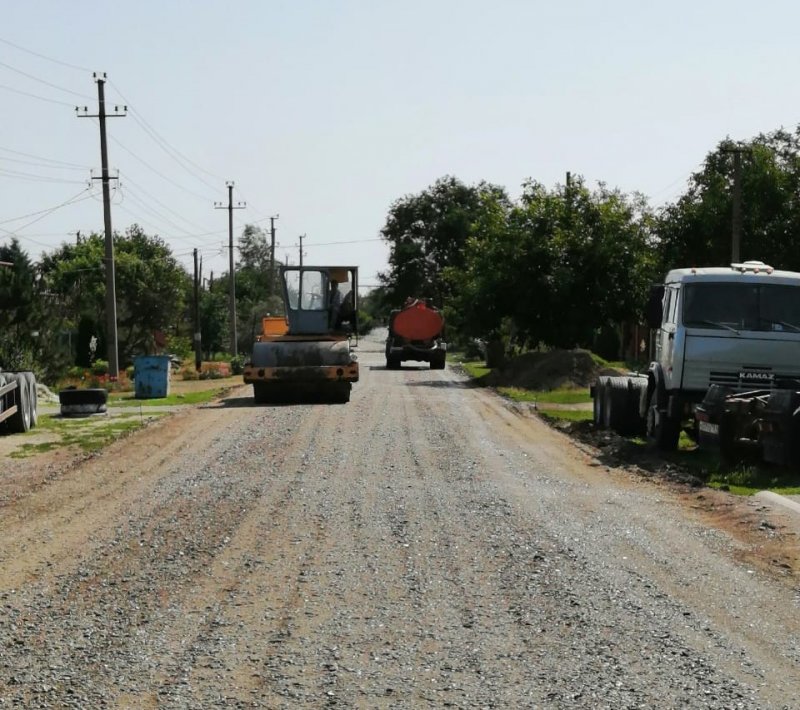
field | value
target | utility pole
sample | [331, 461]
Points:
[198, 351]
[736, 217]
[272, 254]
[232, 297]
[112, 346]
[302, 237]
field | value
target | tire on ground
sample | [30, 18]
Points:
[598, 403]
[77, 402]
[618, 406]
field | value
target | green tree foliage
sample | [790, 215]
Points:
[426, 234]
[553, 268]
[256, 286]
[151, 288]
[21, 326]
[696, 229]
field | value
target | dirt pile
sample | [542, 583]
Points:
[547, 370]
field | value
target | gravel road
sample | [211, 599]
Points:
[422, 546]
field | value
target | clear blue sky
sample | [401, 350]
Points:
[326, 112]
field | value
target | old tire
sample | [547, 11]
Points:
[20, 421]
[76, 402]
[598, 404]
[340, 392]
[619, 406]
[662, 431]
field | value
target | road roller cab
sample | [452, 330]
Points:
[310, 354]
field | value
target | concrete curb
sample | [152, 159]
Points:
[776, 499]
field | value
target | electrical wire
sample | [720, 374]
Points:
[33, 177]
[169, 149]
[204, 198]
[42, 56]
[35, 96]
[139, 188]
[39, 157]
[72, 199]
[42, 165]
[45, 82]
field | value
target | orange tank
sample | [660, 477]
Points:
[416, 321]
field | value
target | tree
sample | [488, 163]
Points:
[427, 234]
[555, 267]
[696, 229]
[150, 287]
[21, 314]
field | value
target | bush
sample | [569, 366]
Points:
[99, 367]
[237, 365]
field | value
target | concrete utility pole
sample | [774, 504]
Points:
[198, 350]
[232, 297]
[112, 345]
[736, 217]
[302, 237]
[272, 254]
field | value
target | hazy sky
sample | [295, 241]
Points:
[327, 111]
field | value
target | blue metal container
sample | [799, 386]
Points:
[151, 376]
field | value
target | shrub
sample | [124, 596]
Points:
[237, 365]
[99, 367]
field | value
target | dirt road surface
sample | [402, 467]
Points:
[421, 546]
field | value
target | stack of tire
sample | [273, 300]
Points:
[618, 404]
[24, 397]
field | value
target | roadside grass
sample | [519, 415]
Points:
[87, 433]
[745, 478]
[566, 415]
[128, 399]
[567, 395]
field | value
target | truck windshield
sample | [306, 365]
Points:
[742, 306]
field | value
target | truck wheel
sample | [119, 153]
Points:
[33, 399]
[438, 363]
[392, 363]
[20, 421]
[661, 430]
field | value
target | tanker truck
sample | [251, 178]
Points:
[416, 332]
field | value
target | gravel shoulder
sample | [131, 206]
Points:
[425, 545]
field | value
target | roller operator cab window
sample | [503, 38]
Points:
[306, 290]
[742, 306]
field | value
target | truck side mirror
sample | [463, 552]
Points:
[654, 310]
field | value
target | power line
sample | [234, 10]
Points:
[39, 157]
[160, 174]
[72, 199]
[41, 165]
[42, 56]
[166, 146]
[160, 203]
[44, 81]
[34, 96]
[18, 175]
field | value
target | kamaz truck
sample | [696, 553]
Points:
[721, 334]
